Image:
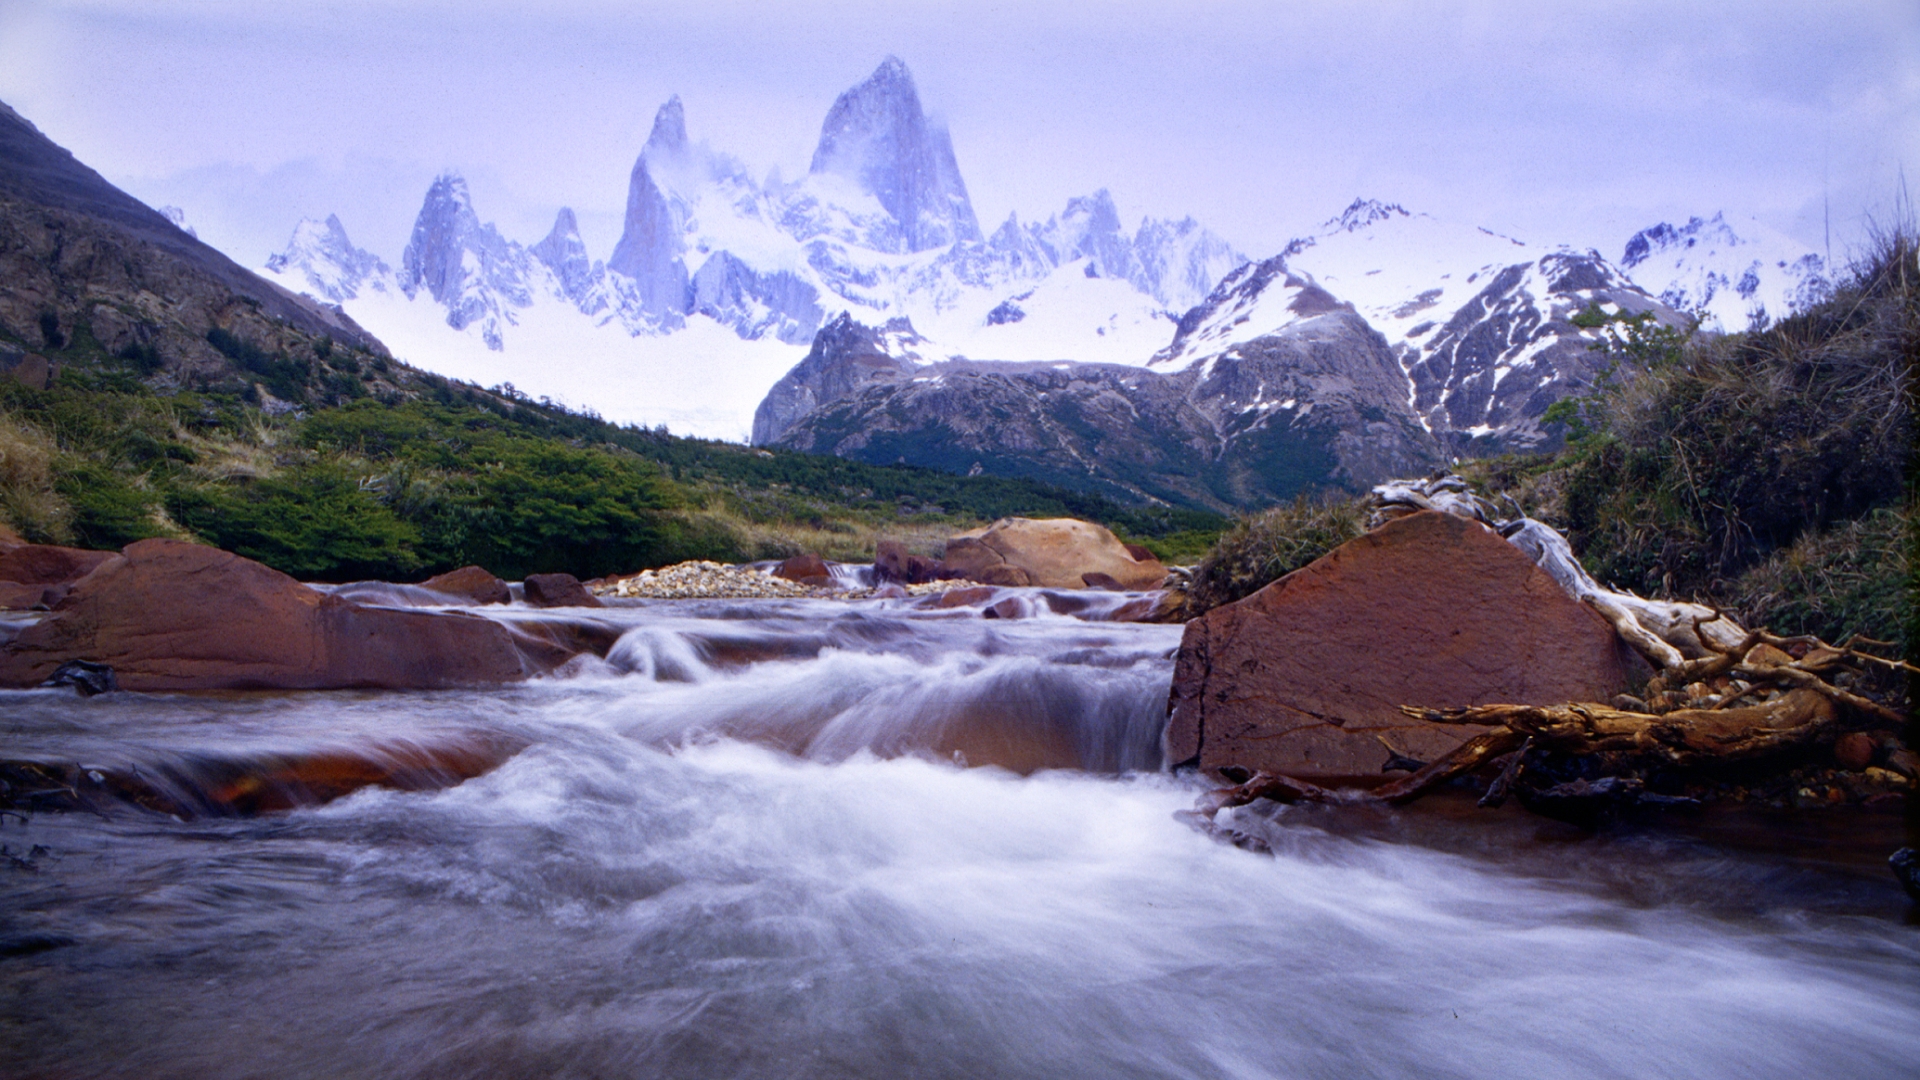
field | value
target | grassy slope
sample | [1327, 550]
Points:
[357, 467]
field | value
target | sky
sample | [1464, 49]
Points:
[1574, 124]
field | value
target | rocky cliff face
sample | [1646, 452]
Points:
[1385, 345]
[846, 357]
[84, 268]
[1320, 404]
[877, 138]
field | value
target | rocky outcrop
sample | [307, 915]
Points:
[169, 615]
[81, 260]
[1056, 553]
[1306, 677]
[877, 137]
[846, 357]
[1321, 403]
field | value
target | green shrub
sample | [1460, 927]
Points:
[315, 522]
[1706, 463]
[1271, 545]
[1855, 578]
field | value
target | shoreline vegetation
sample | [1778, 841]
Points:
[415, 474]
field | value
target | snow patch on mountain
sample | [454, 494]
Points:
[1730, 279]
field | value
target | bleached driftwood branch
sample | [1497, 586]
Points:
[1668, 633]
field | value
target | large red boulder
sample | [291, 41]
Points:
[1306, 677]
[169, 615]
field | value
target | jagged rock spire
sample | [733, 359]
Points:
[877, 136]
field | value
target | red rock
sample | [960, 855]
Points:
[1013, 607]
[17, 597]
[1305, 677]
[169, 615]
[953, 598]
[1854, 750]
[557, 590]
[893, 562]
[470, 583]
[46, 564]
[807, 569]
[1097, 580]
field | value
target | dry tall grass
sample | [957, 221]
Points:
[28, 501]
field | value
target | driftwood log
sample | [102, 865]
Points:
[1723, 695]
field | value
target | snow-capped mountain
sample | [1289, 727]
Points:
[1729, 279]
[1478, 322]
[718, 272]
[1385, 344]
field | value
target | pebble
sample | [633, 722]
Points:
[703, 580]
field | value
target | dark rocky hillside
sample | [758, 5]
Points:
[1323, 403]
[87, 269]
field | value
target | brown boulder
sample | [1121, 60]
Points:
[169, 615]
[471, 583]
[47, 564]
[893, 562]
[557, 590]
[1306, 677]
[1055, 553]
[807, 569]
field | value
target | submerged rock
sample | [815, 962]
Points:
[170, 615]
[1306, 677]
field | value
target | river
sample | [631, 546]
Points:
[745, 845]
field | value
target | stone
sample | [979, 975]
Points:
[1054, 553]
[168, 615]
[954, 598]
[472, 584]
[807, 569]
[17, 597]
[557, 590]
[1306, 677]
[1854, 750]
[893, 562]
[49, 564]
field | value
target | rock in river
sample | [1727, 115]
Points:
[1306, 677]
[1056, 553]
[169, 615]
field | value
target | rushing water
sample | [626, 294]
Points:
[745, 845]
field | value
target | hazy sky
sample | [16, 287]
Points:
[1574, 123]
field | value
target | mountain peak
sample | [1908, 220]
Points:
[1363, 212]
[1664, 236]
[877, 136]
[669, 136]
[566, 255]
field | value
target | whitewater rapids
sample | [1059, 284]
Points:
[747, 844]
